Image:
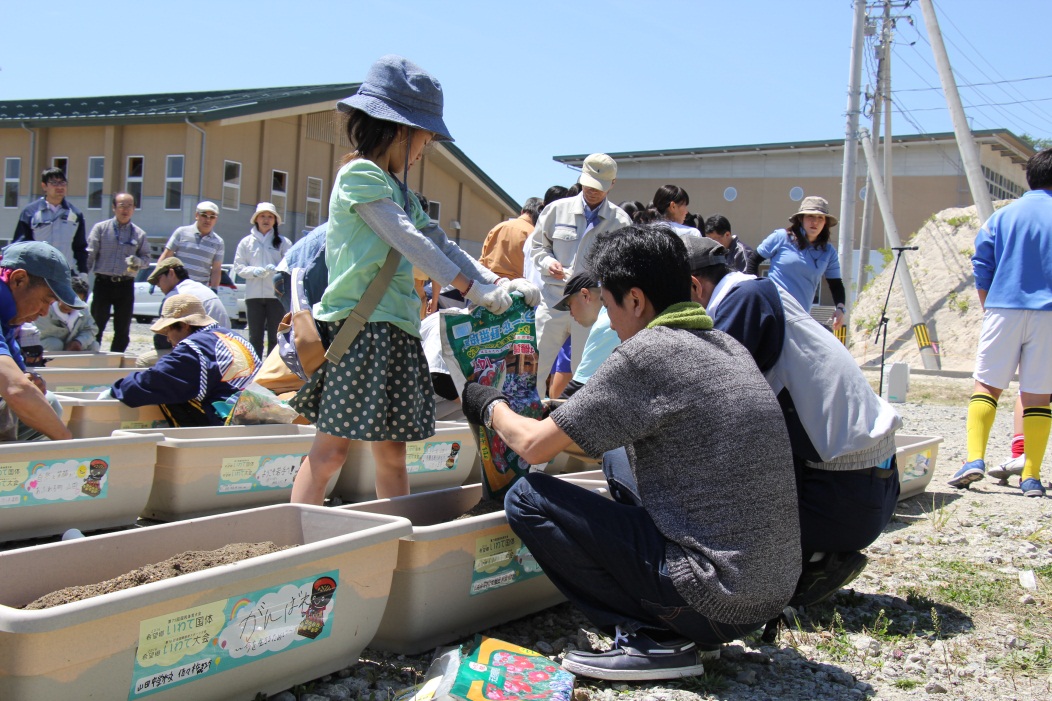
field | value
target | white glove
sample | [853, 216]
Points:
[134, 262]
[106, 394]
[493, 297]
[271, 268]
[252, 271]
[531, 294]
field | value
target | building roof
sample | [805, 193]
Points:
[164, 108]
[1000, 139]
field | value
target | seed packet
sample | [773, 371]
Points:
[489, 669]
[495, 350]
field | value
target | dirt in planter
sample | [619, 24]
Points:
[183, 563]
[485, 506]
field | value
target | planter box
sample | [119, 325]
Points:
[455, 578]
[82, 359]
[916, 457]
[48, 487]
[202, 471]
[63, 380]
[444, 460]
[90, 417]
[571, 460]
[225, 632]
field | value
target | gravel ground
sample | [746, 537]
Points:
[939, 612]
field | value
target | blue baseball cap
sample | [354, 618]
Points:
[43, 260]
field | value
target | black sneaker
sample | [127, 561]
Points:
[820, 580]
[639, 658]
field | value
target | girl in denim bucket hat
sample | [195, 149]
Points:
[381, 391]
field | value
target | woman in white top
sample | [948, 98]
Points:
[258, 254]
[670, 202]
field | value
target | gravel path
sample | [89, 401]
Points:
[939, 612]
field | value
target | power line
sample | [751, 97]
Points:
[975, 85]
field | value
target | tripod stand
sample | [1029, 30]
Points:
[883, 325]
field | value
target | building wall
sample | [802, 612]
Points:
[301, 146]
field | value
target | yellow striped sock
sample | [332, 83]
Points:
[1037, 420]
[981, 410]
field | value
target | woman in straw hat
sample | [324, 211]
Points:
[256, 260]
[381, 391]
[801, 256]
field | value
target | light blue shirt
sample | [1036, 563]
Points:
[601, 342]
[797, 271]
[1013, 254]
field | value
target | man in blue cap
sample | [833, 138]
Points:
[33, 274]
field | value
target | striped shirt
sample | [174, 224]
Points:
[197, 252]
[110, 244]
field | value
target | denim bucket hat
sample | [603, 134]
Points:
[397, 90]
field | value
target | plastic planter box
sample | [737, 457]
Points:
[202, 471]
[916, 457]
[91, 417]
[444, 460]
[48, 487]
[455, 577]
[225, 632]
[74, 359]
[63, 380]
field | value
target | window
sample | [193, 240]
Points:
[231, 185]
[96, 168]
[315, 187]
[62, 163]
[133, 178]
[12, 181]
[173, 182]
[279, 188]
[434, 211]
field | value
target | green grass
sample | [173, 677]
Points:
[1033, 661]
[973, 585]
[958, 221]
[906, 684]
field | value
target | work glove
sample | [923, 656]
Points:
[531, 294]
[271, 268]
[252, 271]
[493, 297]
[474, 398]
[134, 263]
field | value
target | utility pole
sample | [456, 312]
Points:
[920, 328]
[848, 191]
[965, 142]
[880, 97]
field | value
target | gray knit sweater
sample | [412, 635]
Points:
[711, 457]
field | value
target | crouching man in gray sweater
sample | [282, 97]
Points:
[710, 550]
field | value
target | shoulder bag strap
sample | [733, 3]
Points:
[359, 316]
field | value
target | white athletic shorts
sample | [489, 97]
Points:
[1012, 338]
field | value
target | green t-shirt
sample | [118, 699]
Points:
[355, 254]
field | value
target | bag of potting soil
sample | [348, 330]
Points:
[492, 670]
[495, 350]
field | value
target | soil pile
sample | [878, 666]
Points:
[183, 563]
[942, 275]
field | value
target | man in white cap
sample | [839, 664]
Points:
[208, 363]
[562, 239]
[199, 247]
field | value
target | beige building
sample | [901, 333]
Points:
[758, 186]
[236, 148]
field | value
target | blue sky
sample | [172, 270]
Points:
[525, 81]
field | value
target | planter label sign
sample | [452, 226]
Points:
[199, 642]
[258, 473]
[501, 560]
[51, 481]
[431, 456]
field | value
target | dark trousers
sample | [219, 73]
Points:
[120, 295]
[844, 511]
[608, 559]
[264, 314]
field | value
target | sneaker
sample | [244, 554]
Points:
[1011, 466]
[820, 580]
[1032, 487]
[638, 657]
[970, 472]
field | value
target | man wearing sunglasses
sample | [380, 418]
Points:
[199, 247]
[54, 220]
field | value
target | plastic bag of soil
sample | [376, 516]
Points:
[492, 670]
[255, 405]
[495, 350]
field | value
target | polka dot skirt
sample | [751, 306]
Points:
[380, 390]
